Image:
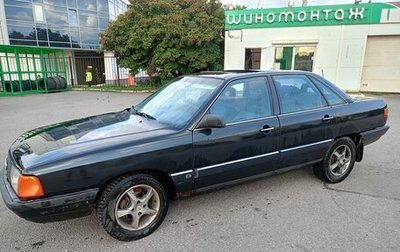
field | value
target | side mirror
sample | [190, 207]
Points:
[211, 121]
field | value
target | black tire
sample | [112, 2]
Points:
[323, 170]
[34, 85]
[41, 84]
[26, 85]
[106, 207]
[63, 83]
[14, 84]
[58, 82]
[8, 85]
[51, 84]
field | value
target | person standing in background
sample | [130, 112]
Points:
[89, 76]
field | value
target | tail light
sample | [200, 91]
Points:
[386, 114]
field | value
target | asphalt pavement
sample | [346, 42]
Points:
[289, 212]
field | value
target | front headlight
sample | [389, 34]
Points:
[25, 186]
[14, 178]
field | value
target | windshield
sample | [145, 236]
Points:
[178, 102]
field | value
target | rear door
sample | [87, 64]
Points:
[248, 145]
[305, 118]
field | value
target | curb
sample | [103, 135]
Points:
[356, 95]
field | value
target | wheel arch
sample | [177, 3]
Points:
[357, 139]
[161, 176]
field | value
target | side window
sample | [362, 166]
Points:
[242, 100]
[297, 93]
[331, 97]
[234, 90]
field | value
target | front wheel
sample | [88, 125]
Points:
[132, 207]
[338, 161]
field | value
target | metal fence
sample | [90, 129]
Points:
[103, 71]
[31, 70]
[38, 70]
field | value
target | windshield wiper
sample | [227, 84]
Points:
[145, 115]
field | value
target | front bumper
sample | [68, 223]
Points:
[55, 208]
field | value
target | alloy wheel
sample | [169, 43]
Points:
[137, 207]
[340, 160]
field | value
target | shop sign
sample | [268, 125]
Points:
[305, 16]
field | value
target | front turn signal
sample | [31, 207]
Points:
[29, 187]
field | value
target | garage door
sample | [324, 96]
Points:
[381, 70]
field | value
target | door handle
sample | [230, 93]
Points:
[267, 129]
[328, 118]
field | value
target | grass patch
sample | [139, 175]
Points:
[141, 86]
[112, 88]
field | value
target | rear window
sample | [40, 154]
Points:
[329, 94]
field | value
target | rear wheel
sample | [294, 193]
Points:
[132, 207]
[338, 161]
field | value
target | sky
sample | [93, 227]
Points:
[283, 3]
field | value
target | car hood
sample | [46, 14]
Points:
[75, 137]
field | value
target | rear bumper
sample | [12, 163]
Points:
[56, 208]
[371, 136]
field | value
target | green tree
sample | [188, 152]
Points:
[169, 37]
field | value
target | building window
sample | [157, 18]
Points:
[58, 35]
[87, 5]
[22, 32]
[294, 58]
[252, 59]
[88, 20]
[71, 3]
[103, 23]
[304, 58]
[38, 13]
[55, 2]
[56, 18]
[102, 6]
[72, 17]
[74, 36]
[19, 13]
[60, 23]
[41, 33]
[90, 36]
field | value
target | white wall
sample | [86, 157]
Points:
[110, 64]
[3, 25]
[339, 54]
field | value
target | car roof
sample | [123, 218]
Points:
[232, 74]
[228, 75]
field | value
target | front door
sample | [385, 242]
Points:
[248, 145]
